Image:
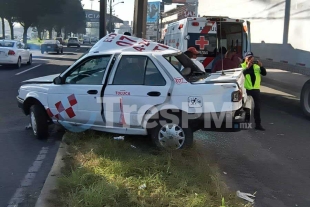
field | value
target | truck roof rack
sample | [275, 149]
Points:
[215, 16]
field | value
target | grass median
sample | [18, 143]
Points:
[101, 171]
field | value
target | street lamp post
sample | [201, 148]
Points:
[111, 6]
[91, 4]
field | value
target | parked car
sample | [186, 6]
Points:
[51, 46]
[73, 41]
[94, 40]
[15, 53]
[86, 40]
[128, 85]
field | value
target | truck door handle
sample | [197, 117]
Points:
[153, 93]
[92, 92]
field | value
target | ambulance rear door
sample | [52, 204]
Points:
[173, 36]
[202, 34]
[246, 37]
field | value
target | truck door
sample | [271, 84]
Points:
[246, 37]
[137, 83]
[203, 36]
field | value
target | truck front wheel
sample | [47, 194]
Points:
[305, 98]
[38, 121]
[171, 136]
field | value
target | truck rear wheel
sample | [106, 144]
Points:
[38, 121]
[305, 98]
[171, 136]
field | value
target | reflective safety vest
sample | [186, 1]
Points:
[248, 80]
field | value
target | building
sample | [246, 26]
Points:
[271, 41]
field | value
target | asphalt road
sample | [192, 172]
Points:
[25, 160]
[274, 163]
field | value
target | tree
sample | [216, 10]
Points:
[3, 27]
[30, 11]
[71, 18]
[8, 11]
[74, 17]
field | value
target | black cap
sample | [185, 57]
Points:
[248, 54]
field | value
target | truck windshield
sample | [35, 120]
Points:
[206, 44]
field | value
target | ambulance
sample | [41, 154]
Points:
[208, 34]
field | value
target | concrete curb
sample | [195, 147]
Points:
[51, 180]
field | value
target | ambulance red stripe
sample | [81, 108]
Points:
[207, 61]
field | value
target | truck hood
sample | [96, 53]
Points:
[45, 79]
[231, 76]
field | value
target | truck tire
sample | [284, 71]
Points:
[171, 136]
[305, 98]
[38, 121]
[19, 63]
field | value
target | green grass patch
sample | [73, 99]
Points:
[35, 42]
[101, 171]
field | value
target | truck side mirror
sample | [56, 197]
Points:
[186, 71]
[57, 80]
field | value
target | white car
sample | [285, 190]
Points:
[14, 53]
[128, 85]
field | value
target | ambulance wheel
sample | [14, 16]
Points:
[305, 98]
[168, 135]
[38, 121]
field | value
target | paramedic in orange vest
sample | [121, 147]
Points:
[252, 71]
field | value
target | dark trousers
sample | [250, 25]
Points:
[255, 93]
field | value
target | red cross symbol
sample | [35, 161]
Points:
[202, 42]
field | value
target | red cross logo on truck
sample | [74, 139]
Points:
[202, 42]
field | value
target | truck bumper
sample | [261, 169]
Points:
[234, 120]
[20, 103]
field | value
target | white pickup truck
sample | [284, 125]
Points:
[127, 85]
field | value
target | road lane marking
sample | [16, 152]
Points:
[20, 192]
[77, 49]
[62, 56]
[28, 69]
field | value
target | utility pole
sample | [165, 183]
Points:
[287, 18]
[110, 16]
[139, 19]
[102, 26]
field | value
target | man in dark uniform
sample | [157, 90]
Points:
[253, 70]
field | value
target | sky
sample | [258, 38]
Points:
[124, 11]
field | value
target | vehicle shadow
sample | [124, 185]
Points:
[64, 53]
[55, 58]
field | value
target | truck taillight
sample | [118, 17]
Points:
[236, 96]
[195, 24]
[11, 52]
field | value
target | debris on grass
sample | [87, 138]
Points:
[246, 196]
[119, 138]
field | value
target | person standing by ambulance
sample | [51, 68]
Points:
[252, 71]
